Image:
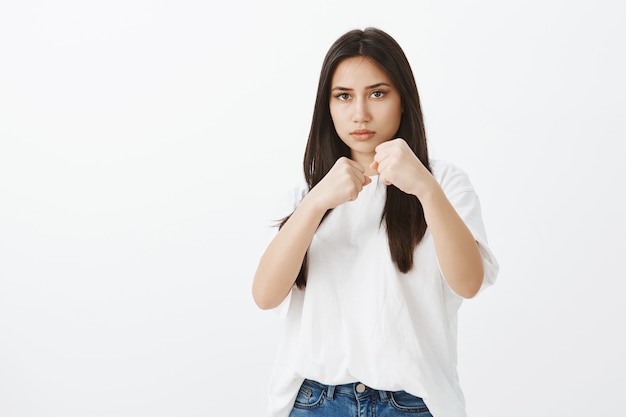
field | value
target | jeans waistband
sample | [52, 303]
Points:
[357, 389]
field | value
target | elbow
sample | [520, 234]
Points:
[475, 280]
[264, 299]
[264, 303]
[260, 300]
[468, 284]
[472, 285]
[469, 291]
[269, 289]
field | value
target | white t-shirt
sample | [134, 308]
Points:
[360, 319]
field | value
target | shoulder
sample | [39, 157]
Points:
[452, 178]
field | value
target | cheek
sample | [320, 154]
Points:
[337, 117]
[335, 112]
[394, 116]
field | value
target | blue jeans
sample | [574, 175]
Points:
[355, 400]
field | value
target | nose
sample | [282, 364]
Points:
[361, 111]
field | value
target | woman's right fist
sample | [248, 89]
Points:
[342, 183]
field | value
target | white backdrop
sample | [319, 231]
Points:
[143, 143]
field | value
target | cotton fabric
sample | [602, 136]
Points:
[360, 319]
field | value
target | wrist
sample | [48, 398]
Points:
[429, 194]
[313, 204]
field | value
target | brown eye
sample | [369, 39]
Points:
[343, 96]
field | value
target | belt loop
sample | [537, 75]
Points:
[330, 393]
[383, 395]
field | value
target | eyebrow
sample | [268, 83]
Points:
[366, 88]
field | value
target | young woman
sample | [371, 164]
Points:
[376, 252]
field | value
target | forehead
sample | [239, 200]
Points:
[359, 71]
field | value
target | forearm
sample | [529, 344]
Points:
[280, 263]
[457, 250]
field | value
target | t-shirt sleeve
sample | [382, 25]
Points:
[461, 194]
[285, 205]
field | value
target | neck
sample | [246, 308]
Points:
[365, 161]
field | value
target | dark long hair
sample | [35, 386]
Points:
[403, 213]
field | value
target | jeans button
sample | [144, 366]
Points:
[360, 388]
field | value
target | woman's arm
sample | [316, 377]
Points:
[280, 263]
[457, 251]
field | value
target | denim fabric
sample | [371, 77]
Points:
[318, 400]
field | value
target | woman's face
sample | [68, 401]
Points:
[365, 107]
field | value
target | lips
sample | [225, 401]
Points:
[362, 134]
